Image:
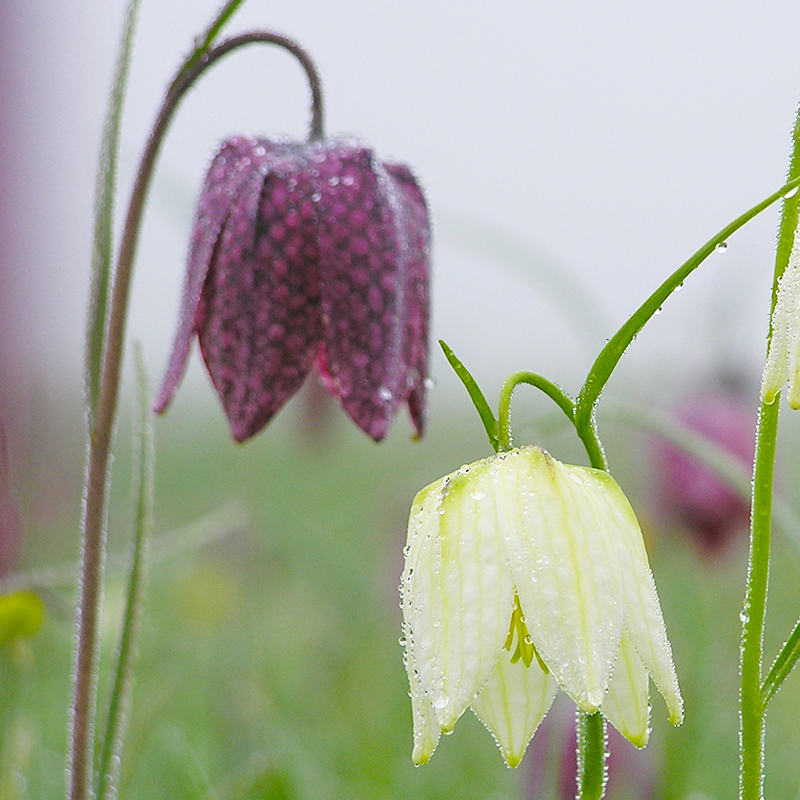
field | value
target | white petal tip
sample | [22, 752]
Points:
[637, 738]
[420, 758]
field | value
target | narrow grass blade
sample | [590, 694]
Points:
[108, 772]
[782, 666]
[104, 216]
[475, 394]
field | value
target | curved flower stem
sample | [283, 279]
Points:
[609, 357]
[552, 390]
[101, 433]
[753, 704]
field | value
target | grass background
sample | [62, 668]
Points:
[269, 661]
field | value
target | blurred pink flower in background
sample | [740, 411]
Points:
[691, 493]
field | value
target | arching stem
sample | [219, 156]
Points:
[82, 711]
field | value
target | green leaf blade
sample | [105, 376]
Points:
[143, 486]
[104, 216]
[475, 394]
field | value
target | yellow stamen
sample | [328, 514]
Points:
[525, 648]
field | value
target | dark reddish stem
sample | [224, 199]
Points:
[102, 434]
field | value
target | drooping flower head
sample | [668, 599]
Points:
[303, 255]
[522, 575]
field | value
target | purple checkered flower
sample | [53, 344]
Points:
[307, 255]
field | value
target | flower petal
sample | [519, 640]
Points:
[784, 346]
[562, 556]
[627, 702]
[457, 590]
[417, 295]
[426, 727]
[261, 326]
[364, 266]
[644, 622]
[231, 168]
[512, 703]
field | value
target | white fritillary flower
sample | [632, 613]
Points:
[523, 575]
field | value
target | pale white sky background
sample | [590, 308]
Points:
[614, 138]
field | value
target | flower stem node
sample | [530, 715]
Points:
[303, 255]
[520, 547]
[783, 359]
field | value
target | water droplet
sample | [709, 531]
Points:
[316, 197]
[678, 287]
[658, 311]
[385, 394]
[429, 383]
[721, 247]
[402, 641]
[440, 703]
[333, 180]
[791, 192]
[744, 617]
[478, 494]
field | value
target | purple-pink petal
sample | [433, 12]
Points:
[232, 166]
[262, 323]
[363, 246]
[417, 296]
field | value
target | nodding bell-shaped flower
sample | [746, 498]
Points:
[307, 254]
[783, 359]
[522, 575]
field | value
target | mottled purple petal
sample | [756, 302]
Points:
[232, 166]
[417, 296]
[262, 325]
[363, 267]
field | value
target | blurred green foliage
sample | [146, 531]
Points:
[270, 667]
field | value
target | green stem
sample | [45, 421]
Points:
[108, 772]
[552, 390]
[751, 778]
[753, 705]
[592, 740]
[610, 355]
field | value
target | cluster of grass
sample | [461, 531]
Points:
[269, 662]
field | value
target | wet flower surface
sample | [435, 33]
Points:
[783, 359]
[520, 549]
[308, 255]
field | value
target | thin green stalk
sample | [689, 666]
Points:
[752, 702]
[108, 772]
[592, 740]
[552, 390]
[609, 356]
[751, 779]
[104, 215]
[475, 394]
